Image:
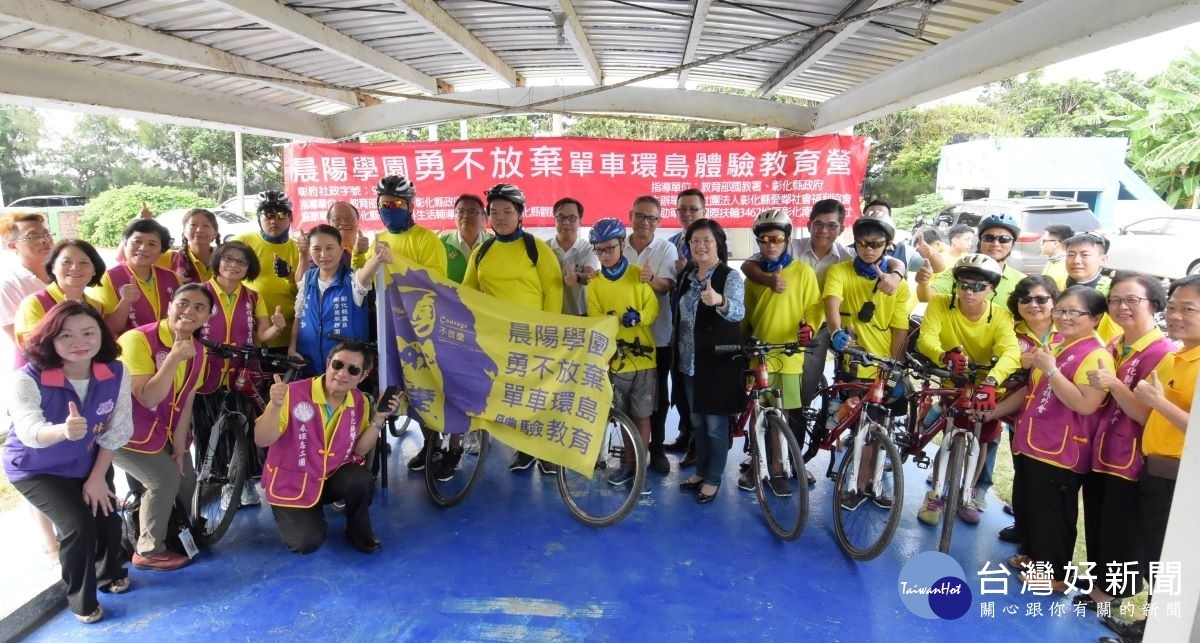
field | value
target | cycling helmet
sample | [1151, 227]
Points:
[272, 201]
[605, 230]
[772, 220]
[1000, 221]
[398, 186]
[979, 264]
[876, 219]
[506, 192]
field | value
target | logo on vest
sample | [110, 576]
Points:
[304, 412]
[106, 407]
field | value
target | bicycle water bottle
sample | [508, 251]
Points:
[931, 416]
[835, 406]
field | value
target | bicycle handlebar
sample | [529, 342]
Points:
[635, 348]
[271, 360]
[756, 347]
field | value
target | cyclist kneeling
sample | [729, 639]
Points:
[966, 326]
[619, 290]
[320, 431]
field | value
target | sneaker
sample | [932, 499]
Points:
[417, 462]
[547, 468]
[520, 461]
[931, 510]
[620, 477]
[91, 618]
[689, 459]
[119, 586]
[338, 506]
[680, 445]
[646, 488]
[979, 499]
[969, 512]
[250, 495]
[748, 481]
[882, 500]
[660, 463]
[744, 466]
[1009, 534]
[812, 481]
[780, 487]
[162, 561]
[447, 465]
[851, 500]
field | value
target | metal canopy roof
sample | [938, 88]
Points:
[333, 69]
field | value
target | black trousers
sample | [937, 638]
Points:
[89, 547]
[662, 403]
[1155, 495]
[303, 530]
[1046, 504]
[1112, 530]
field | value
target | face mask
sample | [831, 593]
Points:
[396, 219]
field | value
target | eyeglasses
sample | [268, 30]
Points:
[1068, 313]
[683, 209]
[772, 238]
[1041, 300]
[338, 365]
[997, 238]
[1131, 302]
[571, 219]
[1045, 241]
[603, 250]
[824, 225]
[870, 245]
[36, 237]
[467, 211]
[275, 216]
[394, 204]
[234, 261]
[702, 242]
[645, 218]
[973, 286]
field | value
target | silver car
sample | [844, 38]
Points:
[1162, 246]
[231, 224]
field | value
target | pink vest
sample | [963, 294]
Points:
[141, 312]
[1049, 430]
[1118, 449]
[152, 426]
[239, 333]
[299, 462]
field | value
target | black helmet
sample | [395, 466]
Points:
[271, 201]
[396, 186]
[506, 192]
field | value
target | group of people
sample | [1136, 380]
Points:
[1097, 397]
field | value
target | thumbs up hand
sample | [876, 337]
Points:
[282, 269]
[1150, 392]
[76, 426]
[183, 349]
[278, 391]
[277, 318]
[711, 297]
[925, 273]
[145, 212]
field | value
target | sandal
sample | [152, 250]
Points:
[91, 618]
[1018, 561]
[119, 586]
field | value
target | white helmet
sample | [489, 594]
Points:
[980, 264]
[876, 219]
[772, 220]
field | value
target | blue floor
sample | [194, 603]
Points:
[511, 564]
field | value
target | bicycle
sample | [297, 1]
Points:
[782, 487]
[223, 455]
[593, 500]
[863, 529]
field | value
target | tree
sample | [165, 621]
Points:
[202, 159]
[106, 216]
[22, 160]
[102, 153]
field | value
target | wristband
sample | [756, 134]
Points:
[1050, 373]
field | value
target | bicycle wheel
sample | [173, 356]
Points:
[595, 500]
[449, 486]
[398, 426]
[809, 434]
[865, 520]
[954, 481]
[221, 466]
[783, 498]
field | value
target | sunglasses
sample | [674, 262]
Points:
[393, 204]
[997, 238]
[772, 238]
[870, 245]
[1036, 299]
[978, 286]
[338, 365]
[275, 216]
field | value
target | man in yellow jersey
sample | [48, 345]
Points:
[857, 308]
[997, 235]
[1055, 251]
[279, 257]
[618, 289]
[781, 317]
[518, 267]
[396, 199]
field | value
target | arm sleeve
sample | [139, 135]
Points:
[900, 313]
[29, 312]
[1005, 349]
[592, 294]
[666, 264]
[814, 307]
[433, 256]
[735, 295]
[943, 282]
[471, 278]
[551, 276]
[25, 408]
[648, 304]
[929, 342]
[260, 306]
[120, 427]
[105, 294]
[135, 353]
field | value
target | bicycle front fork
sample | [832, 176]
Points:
[972, 460]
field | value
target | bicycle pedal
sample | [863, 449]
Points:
[922, 461]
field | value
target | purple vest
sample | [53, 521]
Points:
[299, 462]
[68, 459]
[1049, 430]
[240, 331]
[141, 312]
[1118, 449]
[152, 427]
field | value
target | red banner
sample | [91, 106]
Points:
[739, 179]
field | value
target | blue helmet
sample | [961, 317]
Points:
[1000, 221]
[606, 229]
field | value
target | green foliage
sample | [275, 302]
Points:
[22, 157]
[924, 207]
[106, 216]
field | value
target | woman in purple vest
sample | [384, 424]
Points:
[1052, 439]
[319, 435]
[73, 265]
[70, 409]
[136, 292]
[191, 262]
[1110, 489]
[165, 362]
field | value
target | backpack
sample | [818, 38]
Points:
[530, 248]
[179, 526]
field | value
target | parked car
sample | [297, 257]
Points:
[1163, 246]
[1033, 214]
[230, 224]
[51, 201]
[248, 207]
